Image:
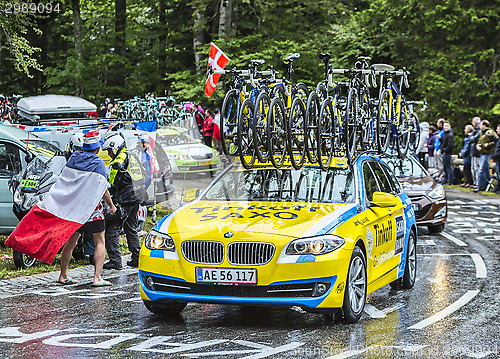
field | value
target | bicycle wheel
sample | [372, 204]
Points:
[276, 132]
[321, 91]
[311, 126]
[414, 132]
[279, 91]
[244, 141]
[384, 126]
[325, 134]
[296, 134]
[229, 123]
[302, 92]
[351, 125]
[262, 105]
[403, 133]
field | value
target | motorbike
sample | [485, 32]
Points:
[29, 187]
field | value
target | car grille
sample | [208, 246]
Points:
[203, 252]
[206, 156]
[283, 290]
[416, 198]
[249, 253]
[421, 213]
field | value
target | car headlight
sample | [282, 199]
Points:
[157, 240]
[182, 157]
[437, 192]
[315, 245]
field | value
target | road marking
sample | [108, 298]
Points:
[481, 271]
[480, 265]
[426, 242]
[457, 241]
[463, 300]
[374, 312]
[347, 354]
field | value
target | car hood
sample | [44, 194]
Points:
[216, 219]
[414, 186]
[191, 150]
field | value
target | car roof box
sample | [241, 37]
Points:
[53, 104]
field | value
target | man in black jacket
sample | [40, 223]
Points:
[496, 158]
[447, 144]
[475, 155]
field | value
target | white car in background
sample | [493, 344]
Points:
[186, 154]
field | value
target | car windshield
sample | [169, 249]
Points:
[406, 168]
[176, 139]
[40, 147]
[310, 184]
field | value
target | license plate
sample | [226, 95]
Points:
[204, 163]
[415, 206]
[226, 275]
[29, 183]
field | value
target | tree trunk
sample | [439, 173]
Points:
[162, 48]
[198, 36]
[77, 29]
[225, 19]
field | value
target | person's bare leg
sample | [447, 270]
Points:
[99, 253]
[66, 253]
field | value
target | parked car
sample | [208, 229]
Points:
[17, 148]
[427, 196]
[186, 154]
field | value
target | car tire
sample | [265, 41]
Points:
[356, 286]
[410, 274]
[22, 261]
[436, 229]
[168, 309]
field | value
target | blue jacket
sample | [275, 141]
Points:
[437, 141]
[466, 150]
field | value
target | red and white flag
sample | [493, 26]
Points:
[68, 205]
[218, 60]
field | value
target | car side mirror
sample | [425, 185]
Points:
[383, 199]
[190, 195]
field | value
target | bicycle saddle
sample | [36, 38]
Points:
[257, 62]
[325, 57]
[382, 67]
[291, 57]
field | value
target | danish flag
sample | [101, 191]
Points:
[218, 60]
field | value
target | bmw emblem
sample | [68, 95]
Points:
[228, 234]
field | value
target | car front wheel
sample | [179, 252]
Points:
[355, 291]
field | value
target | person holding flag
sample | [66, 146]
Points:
[217, 61]
[72, 206]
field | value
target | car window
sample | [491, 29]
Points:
[175, 139]
[396, 186]
[371, 185]
[310, 184]
[10, 159]
[41, 147]
[383, 182]
[406, 167]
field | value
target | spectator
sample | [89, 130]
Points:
[447, 145]
[496, 158]
[208, 129]
[475, 155]
[424, 135]
[430, 146]
[102, 110]
[199, 116]
[437, 150]
[486, 146]
[216, 132]
[466, 154]
[110, 110]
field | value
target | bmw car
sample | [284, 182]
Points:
[187, 155]
[427, 196]
[318, 239]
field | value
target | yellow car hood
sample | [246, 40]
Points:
[214, 218]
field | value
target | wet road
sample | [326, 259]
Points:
[451, 312]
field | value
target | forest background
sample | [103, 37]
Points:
[126, 48]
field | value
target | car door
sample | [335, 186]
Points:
[395, 245]
[11, 163]
[380, 226]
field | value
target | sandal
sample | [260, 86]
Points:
[68, 281]
[103, 284]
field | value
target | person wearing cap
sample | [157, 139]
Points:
[142, 153]
[124, 172]
[92, 143]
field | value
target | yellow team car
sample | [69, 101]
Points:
[319, 239]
